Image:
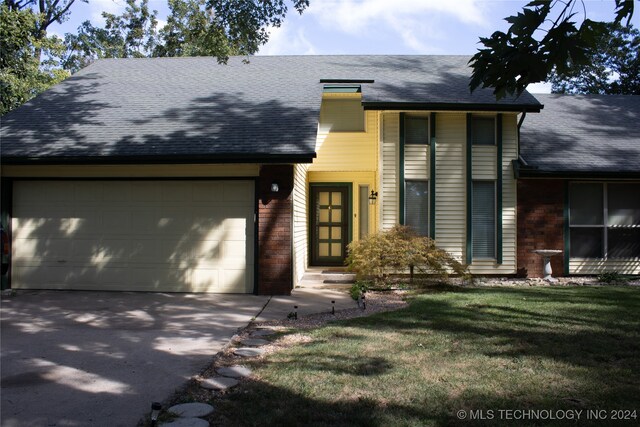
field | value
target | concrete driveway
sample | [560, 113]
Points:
[101, 358]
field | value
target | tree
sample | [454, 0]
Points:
[192, 30]
[217, 28]
[510, 61]
[129, 35]
[22, 74]
[613, 66]
[48, 11]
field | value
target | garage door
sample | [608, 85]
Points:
[169, 236]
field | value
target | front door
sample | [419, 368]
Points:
[329, 225]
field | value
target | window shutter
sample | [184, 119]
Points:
[484, 219]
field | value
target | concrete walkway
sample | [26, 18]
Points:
[310, 300]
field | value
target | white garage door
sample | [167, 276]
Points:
[169, 236]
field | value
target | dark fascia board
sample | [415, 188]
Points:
[528, 172]
[347, 81]
[443, 106]
[166, 160]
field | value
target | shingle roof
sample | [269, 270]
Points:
[583, 135]
[189, 109]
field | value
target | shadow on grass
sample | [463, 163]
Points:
[540, 349]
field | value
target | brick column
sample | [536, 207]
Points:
[275, 213]
[540, 224]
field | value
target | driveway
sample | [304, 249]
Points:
[101, 358]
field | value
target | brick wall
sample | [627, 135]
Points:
[275, 210]
[540, 224]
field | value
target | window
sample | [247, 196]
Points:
[364, 211]
[341, 115]
[604, 220]
[416, 130]
[483, 130]
[417, 206]
[484, 219]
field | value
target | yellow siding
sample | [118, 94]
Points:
[300, 230]
[597, 266]
[349, 157]
[389, 189]
[348, 151]
[356, 179]
[131, 171]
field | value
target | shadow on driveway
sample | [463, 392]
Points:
[101, 358]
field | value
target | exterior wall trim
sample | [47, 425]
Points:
[499, 189]
[469, 161]
[401, 186]
[432, 176]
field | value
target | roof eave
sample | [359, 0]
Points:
[447, 106]
[155, 160]
[531, 172]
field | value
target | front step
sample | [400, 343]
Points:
[327, 278]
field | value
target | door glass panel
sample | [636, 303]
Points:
[323, 249]
[336, 249]
[324, 215]
[336, 199]
[323, 233]
[336, 215]
[324, 198]
[336, 233]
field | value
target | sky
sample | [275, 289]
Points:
[401, 27]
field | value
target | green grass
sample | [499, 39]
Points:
[472, 349]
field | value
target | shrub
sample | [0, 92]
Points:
[398, 250]
[357, 289]
[612, 278]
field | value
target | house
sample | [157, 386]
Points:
[579, 184]
[181, 174]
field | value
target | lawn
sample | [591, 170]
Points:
[484, 350]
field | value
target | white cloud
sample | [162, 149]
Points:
[356, 16]
[539, 88]
[285, 40]
[418, 23]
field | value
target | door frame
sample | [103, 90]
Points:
[348, 186]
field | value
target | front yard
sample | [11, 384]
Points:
[485, 351]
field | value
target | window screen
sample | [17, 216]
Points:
[416, 130]
[484, 219]
[483, 130]
[341, 115]
[586, 204]
[623, 204]
[417, 206]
